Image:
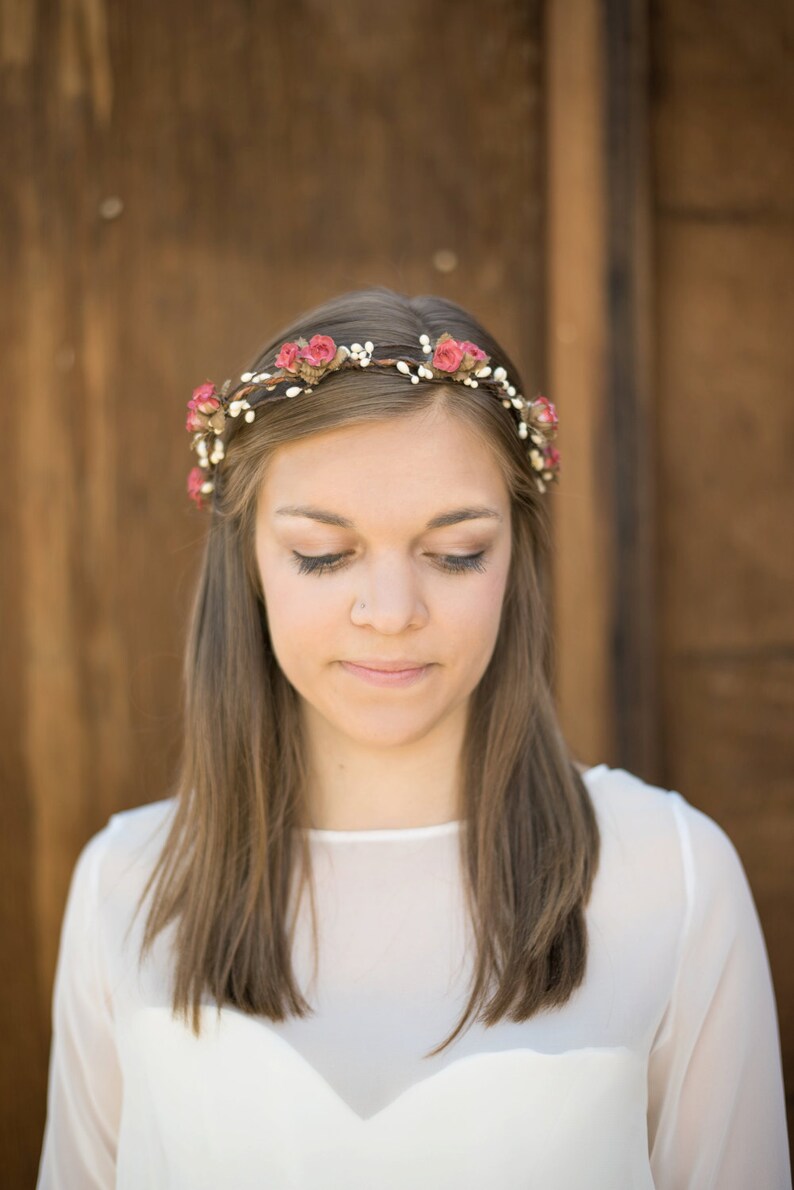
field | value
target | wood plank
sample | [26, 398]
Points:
[176, 191]
[630, 397]
[578, 371]
[724, 169]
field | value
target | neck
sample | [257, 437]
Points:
[361, 784]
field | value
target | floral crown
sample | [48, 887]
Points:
[449, 359]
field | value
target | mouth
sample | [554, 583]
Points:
[402, 666]
[387, 673]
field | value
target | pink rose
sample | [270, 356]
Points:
[287, 355]
[195, 480]
[448, 355]
[195, 420]
[473, 350]
[204, 399]
[551, 457]
[321, 350]
[547, 414]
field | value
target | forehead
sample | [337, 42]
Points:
[405, 466]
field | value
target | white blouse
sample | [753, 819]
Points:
[663, 1069]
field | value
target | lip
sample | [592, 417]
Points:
[391, 673]
[387, 666]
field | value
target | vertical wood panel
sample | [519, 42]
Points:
[179, 181]
[671, 358]
[724, 165]
[630, 368]
[600, 354]
[578, 370]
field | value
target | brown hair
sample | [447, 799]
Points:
[531, 849]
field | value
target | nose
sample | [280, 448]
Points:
[390, 590]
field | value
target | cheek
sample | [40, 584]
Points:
[484, 616]
[478, 597]
[300, 624]
[490, 605]
[468, 616]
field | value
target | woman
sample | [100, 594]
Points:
[510, 969]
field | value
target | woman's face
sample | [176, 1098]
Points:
[425, 604]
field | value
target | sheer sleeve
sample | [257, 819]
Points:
[716, 1110]
[84, 1085]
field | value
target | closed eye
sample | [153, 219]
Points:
[452, 563]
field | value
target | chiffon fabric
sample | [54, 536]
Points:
[663, 1070]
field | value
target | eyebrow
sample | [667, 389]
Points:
[453, 517]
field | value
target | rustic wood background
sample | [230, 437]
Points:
[606, 182]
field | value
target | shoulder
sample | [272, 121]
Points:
[141, 825]
[629, 808]
[658, 834]
[108, 878]
[125, 849]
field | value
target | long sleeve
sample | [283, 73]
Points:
[84, 1086]
[716, 1113]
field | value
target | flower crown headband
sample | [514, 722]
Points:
[456, 360]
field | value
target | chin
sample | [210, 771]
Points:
[385, 727]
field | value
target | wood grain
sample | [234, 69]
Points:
[724, 167]
[179, 182]
[578, 346]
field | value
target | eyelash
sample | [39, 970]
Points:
[453, 563]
